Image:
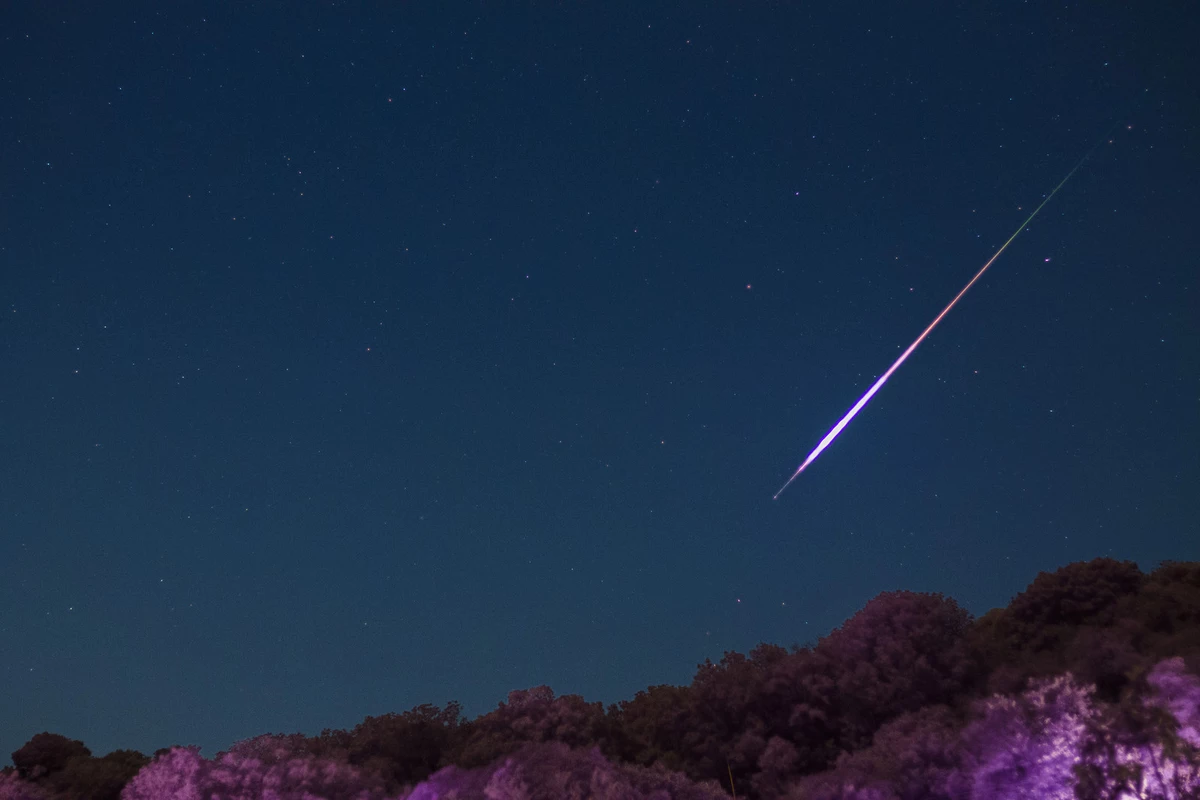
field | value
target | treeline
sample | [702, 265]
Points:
[1084, 684]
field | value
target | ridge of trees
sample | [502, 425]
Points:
[1089, 675]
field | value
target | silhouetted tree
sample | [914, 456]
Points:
[729, 720]
[406, 748]
[97, 778]
[1065, 621]
[655, 726]
[1168, 610]
[903, 651]
[914, 757]
[531, 715]
[46, 754]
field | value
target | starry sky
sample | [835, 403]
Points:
[355, 356]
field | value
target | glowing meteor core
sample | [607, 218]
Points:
[829, 437]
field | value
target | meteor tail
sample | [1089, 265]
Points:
[829, 437]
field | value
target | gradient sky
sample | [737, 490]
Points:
[356, 356]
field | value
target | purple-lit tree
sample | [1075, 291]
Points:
[553, 771]
[1148, 746]
[1056, 741]
[182, 774]
[13, 788]
[179, 774]
[1030, 745]
[271, 748]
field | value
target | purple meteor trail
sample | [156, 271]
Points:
[829, 437]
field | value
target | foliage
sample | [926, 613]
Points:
[914, 757]
[655, 726]
[45, 754]
[1077, 619]
[1030, 745]
[531, 715]
[182, 774]
[62, 767]
[777, 715]
[13, 787]
[98, 778]
[1084, 686]
[903, 651]
[554, 771]
[406, 748]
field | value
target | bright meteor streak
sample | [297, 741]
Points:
[829, 437]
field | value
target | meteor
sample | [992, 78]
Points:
[829, 437]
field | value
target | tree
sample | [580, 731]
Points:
[914, 757]
[903, 651]
[656, 726]
[1058, 741]
[98, 778]
[1148, 745]
[406, 748]
[1168, 609]
[1074, 619]
[45, 754]
[554, 771]
[14, 788]
[730, 717]
[182, 774]
[531, 715]
[1031, 744]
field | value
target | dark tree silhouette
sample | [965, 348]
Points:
[98, 778]
[904, 650]
[914, 757]
[655, 726]
[406, 748]
[1036, 634]
[1168, 610]
[46, 754]
[531, 715]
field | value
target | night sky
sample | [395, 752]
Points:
[357, 356]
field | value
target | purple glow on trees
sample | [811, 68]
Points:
[13, 788]
[1029, 746]
[1056, 741]
[554, 771]
[886, 707]
[182, 774]
[1178, 691]
[1151, 750]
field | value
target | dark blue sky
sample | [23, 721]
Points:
[357, 356]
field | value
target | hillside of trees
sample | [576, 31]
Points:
[1086, 685]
